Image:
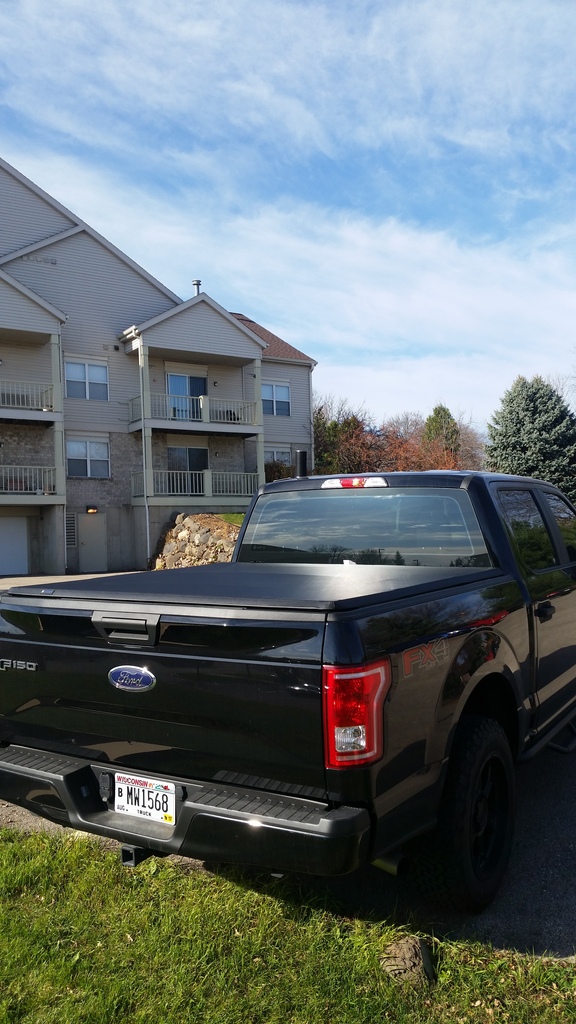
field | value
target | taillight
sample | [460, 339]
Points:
[353, 481]
[353, 701]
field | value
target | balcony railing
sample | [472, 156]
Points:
[28, 479]
[224, 411]
[207, 484]
[18, 394]
[181, 408]
[245, 484]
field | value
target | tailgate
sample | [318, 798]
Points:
[209, 693]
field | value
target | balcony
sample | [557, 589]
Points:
[216, 486]
[38, 480]
[223, 414]
[26, 400]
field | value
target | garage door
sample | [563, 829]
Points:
[13, 545]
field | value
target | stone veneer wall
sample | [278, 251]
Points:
[125, 525]
[112, 497]
[125, 459]
[26, 444]
[225, 454]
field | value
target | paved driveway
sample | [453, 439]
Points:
[31, 581]
[535, 911]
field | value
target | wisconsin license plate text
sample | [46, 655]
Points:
[152, 799]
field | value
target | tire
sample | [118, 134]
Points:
[465, 859]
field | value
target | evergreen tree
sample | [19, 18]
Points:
[441, 426]
[534, 434]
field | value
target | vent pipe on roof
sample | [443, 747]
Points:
[196, 287]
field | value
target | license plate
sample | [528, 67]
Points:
[151, 799]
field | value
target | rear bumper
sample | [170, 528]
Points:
[236, 825]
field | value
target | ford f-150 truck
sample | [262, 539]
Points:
[354, 687]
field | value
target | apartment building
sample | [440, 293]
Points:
[120, 404]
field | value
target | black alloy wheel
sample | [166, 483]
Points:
[462, 864]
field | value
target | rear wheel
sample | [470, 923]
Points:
[465, 859]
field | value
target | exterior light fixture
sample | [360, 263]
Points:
[91, 509]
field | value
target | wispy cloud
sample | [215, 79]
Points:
[314, 75]
[397, 316]
[389, 186]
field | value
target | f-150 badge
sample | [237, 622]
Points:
[132, 678]
[26, 666]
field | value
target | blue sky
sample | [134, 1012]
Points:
[390, 186]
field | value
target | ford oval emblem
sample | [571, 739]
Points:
[131, 678]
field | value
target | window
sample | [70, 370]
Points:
[566, 521]
[185, 392]
[186, 470]
[528, 529]
[88, 458]
[188, 459]
[276, 399]
[282, 455]
[409, 526]
[86, 380]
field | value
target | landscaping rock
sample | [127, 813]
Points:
[196, 540]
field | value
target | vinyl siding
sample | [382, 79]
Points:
[101, 296]
[26, 362]
[19, 313]
[248, 384]
[100, 293]
[283, 431]
[26, 217]
[202, 330]
[123, 384]
[159, 368]
[229, 379]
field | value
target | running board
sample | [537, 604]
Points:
[566, 727]
[570, 744]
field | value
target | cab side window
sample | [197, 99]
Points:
[528, 529]
[566, 521]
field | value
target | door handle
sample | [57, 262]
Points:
[545, 611]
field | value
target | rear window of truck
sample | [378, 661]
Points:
[376, 526]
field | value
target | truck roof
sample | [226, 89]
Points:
[423, 478]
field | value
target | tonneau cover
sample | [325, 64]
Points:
[254, 585]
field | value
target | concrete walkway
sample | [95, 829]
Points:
[31, 581]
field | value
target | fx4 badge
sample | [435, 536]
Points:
[424, 656]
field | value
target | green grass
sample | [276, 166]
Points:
[84, 940]
[236, 518]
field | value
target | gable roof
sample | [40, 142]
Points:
[276, 348]
[202, 297]
[48, 307]
[76, 225]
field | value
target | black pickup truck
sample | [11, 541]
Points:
[354, 687]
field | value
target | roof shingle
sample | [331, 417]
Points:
[276, 347]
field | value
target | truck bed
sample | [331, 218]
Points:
[316, 587]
